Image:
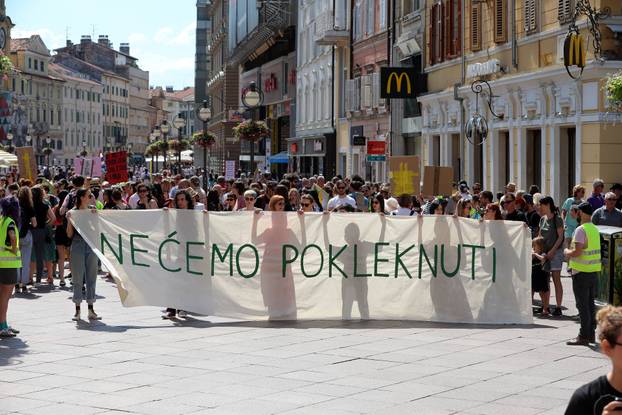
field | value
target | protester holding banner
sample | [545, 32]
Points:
[10, 259]
[145, 200]
[83, 261]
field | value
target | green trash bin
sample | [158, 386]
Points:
[610, 278]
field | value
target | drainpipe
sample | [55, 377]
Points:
[514, 44]
[456, 95]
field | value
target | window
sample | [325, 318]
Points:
[52, 117]
[371, 15]
[435, 39]
[476, 27]
[42, 66]
[501, 32]
[531, 13]
[565, 10]
[445, 31]
[453, 28]
[358, 20]
[382, 14]
[36, 65]
[29, 63]
[59, 117]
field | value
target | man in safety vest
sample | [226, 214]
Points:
[585, 264]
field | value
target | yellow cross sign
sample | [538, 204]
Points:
[405, 175]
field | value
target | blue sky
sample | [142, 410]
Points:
[161, 33]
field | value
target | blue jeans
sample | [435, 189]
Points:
[25, 246]
[83, 265]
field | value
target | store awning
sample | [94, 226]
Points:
[7, 159]
[280, 158]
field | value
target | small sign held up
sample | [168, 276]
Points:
[116, 167]
[405, 175]
[437, 181]
[26, 163]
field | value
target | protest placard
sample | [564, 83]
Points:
[116, 167]
[26, 162]
[405, 175]
[437, 180]
[88, 166]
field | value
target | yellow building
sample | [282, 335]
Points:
[555, 131]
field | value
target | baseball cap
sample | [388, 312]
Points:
[586, 208]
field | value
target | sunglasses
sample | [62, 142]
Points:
[305, 204]
[230, 200]
[248, 199]
[143, 191]
[612, 200]
[341, 188]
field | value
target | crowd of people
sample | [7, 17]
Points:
[38, 220]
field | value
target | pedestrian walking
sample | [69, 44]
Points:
[552, 230]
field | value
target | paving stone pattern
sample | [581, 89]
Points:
[134, 362]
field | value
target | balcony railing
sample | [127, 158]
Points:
[331, 27]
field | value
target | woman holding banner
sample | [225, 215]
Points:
[83, 261]
[10, 259]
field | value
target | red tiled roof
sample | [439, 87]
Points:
[20, 44]
[180, 95]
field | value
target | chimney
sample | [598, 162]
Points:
[124, 48]
[85, 39]
[103, 40]
[169, 89]
[69, 43]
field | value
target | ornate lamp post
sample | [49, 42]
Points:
[155, 135]
[9, 139]
[179, 122]
[251, 99]
[165, 128]
[477, 126]
[83, 153]
[204, 114]
[47, 151]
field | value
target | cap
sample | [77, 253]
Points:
[586, 208]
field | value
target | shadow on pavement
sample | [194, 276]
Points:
[10, 349]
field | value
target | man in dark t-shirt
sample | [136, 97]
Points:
[592, 398]
[508, 203]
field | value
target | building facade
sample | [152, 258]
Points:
[39, 94]
[222, 91]
[261, 37]
[367, 113]
[555, 132]
[313, 74]
[82, 120]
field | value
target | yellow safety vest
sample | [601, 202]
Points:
[7, 258]
[589, 260]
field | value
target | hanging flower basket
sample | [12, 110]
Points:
[47, 151]
[162, 145]
[177, 145]
[251, 130]
[6, 66]
[152, 149]
[203, 139]
[613, 87]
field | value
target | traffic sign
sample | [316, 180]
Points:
[376, 157]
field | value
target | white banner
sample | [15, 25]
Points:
[314, 266]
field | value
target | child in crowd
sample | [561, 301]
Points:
[539, 277]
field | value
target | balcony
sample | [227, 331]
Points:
[331, 27]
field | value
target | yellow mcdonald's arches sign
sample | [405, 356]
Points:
[574, 52]
[398, 82]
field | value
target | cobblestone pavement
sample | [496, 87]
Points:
[134, 362]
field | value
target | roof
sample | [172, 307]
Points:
[180, 95]
[19, 44]
[70, 74]
[90, 65]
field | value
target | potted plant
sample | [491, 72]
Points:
[6, 66]
[203, 139]
[613, 87]
[251, 130]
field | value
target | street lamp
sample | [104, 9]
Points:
[165, 128]
[477, 126]
[204, 114]
[84, 153]
[155, 134]
[9, 139]
[130, 154]
[251, 99]
[179, 122]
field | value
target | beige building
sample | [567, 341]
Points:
[555, 131]
[139, 128]
[39, 94]
[116, 110]
[81, 115]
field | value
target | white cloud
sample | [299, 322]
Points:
[51, 39]
[169, 36]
